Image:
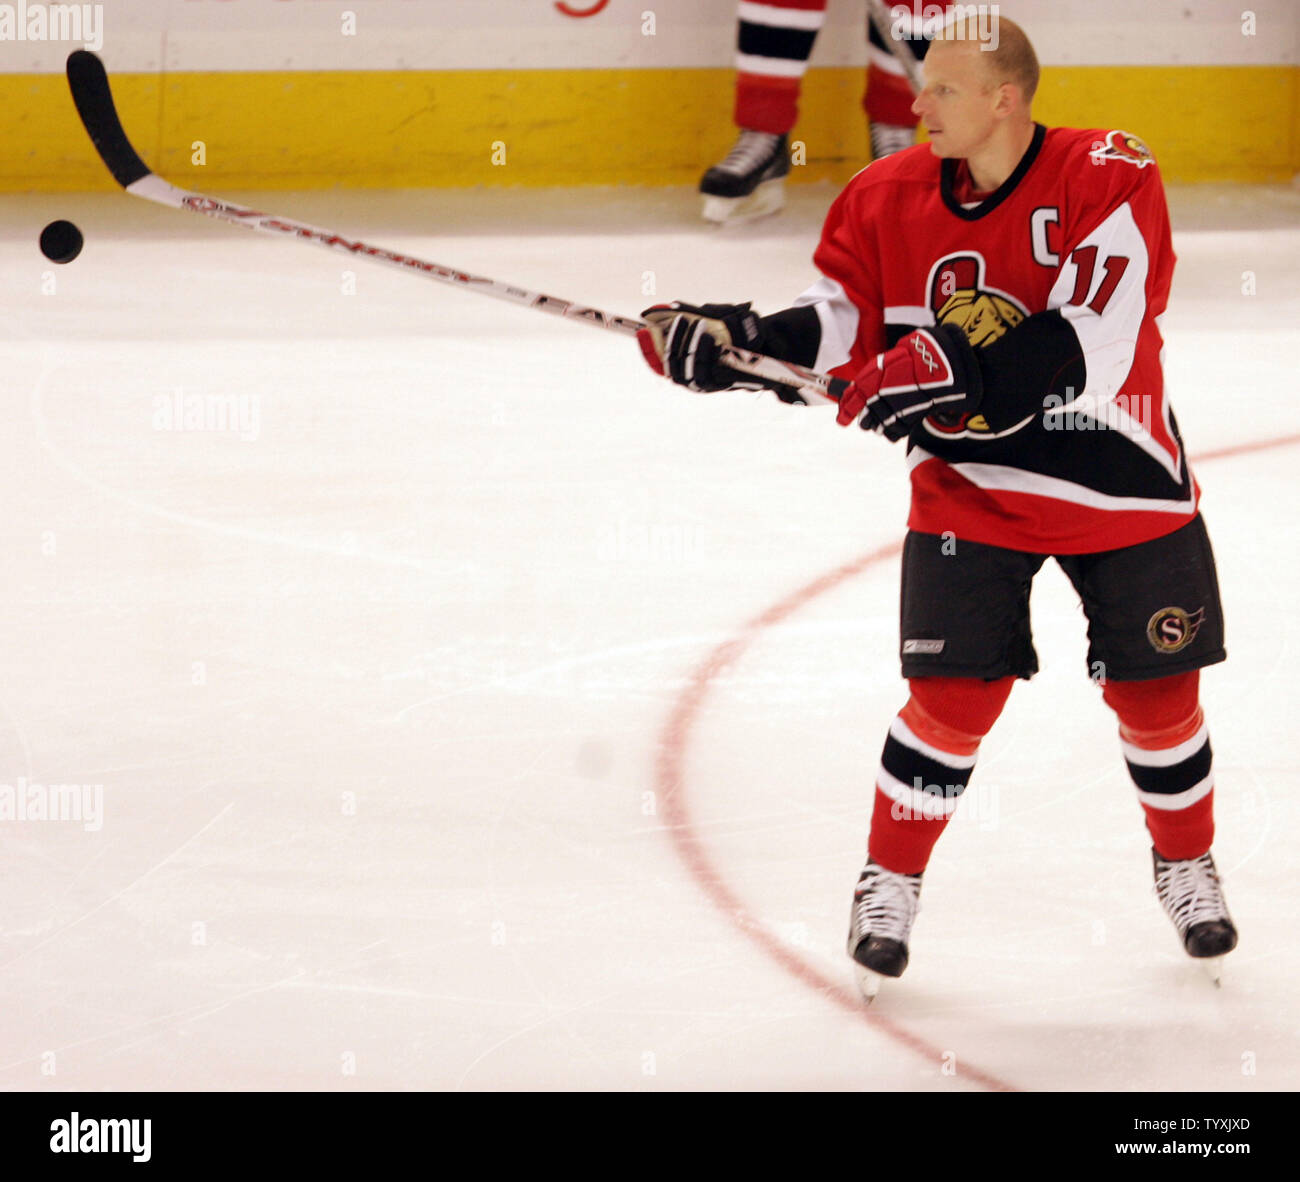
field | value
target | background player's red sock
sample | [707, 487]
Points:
[773, 41]
[1167, 748]
[888, 98]
[926, 764]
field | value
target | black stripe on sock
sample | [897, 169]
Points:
[765, 41]
[937, 779]
[1178, 777]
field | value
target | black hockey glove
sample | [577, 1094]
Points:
[930, 371]
[684, 342]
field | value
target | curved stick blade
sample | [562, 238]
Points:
[88, 82]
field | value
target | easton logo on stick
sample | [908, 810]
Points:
[200, 204]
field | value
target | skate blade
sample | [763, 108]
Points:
[1212, 967]
[768, 198]
[868, 982]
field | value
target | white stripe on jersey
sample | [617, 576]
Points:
[839, 320]
[909, 314]
[772, 67]
[1109, 340]
[1001, 478]
[780, 18]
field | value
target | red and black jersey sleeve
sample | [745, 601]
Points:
[1115, 260]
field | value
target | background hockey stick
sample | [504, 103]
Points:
[88, 81]
[880, 17]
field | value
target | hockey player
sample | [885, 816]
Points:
[995, 298]
[774, 39]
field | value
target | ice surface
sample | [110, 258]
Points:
[384, 690]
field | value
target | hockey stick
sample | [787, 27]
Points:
[88, 81]
[879, 15]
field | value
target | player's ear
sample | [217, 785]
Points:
[1005, 98]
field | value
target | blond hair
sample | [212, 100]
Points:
[1009, 57]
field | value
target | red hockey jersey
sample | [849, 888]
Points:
[1059, 279]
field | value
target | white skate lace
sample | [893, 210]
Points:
[885, 904]
[751, 149]
[887, 138]
[1190, 892]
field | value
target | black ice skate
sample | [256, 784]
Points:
[1192, 896]
[750, 182]
[884, 907]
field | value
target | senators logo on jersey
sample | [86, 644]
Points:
[958, 296]
[1120, 145]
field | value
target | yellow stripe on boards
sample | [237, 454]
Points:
[1204, 123]
[574, 127]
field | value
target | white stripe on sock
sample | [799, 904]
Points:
[772, 67]
[884, 60]
[780, 18]
[915, 803]
[1169, 755]
[905, 735]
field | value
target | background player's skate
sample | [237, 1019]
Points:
[888, 138]
[750, 181]
[774, 39]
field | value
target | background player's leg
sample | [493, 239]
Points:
[887, 99]
[773, 41]
[1167, 748]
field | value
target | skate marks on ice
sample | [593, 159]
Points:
[390, 924]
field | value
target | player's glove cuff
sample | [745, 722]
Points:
[684, 342]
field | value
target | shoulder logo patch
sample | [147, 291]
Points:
[1121, 145]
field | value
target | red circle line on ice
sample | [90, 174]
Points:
[568, 10]
[670, 781]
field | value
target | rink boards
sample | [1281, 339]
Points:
[520, 92]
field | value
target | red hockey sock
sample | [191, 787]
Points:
[773, 41]
[766, 104]
[1167, 748]
[926, 764]
[888, 98]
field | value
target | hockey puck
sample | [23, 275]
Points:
[61, 242]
